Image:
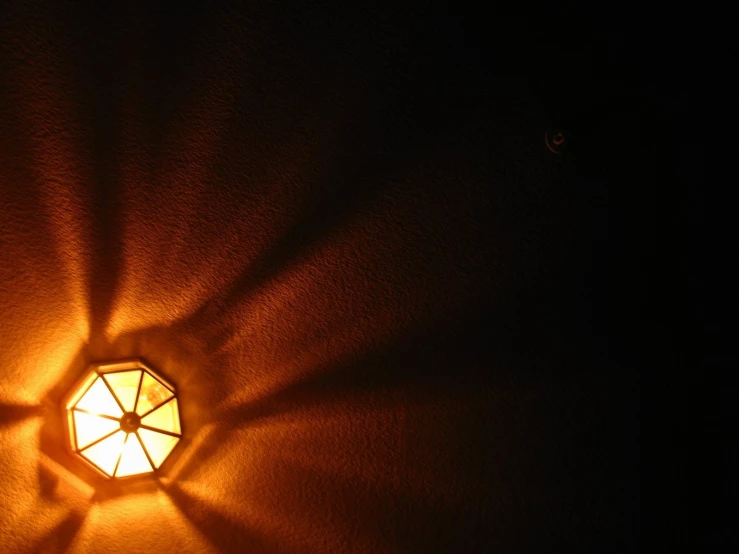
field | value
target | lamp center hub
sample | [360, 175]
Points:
[130, 422]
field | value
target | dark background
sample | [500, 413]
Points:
[398, 323]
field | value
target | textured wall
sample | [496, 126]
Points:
[344, 241]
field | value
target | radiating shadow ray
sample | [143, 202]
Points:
[62, 535]
[55, 139]
[61, 489]
[336, 203]
[12, 413]
[368, 155]
[105, 98]
[495, 335]
[356, 510]
[359, 462]
[421, 358]
[225, 534]
[183, 99]
[326, 211]
[42, 184]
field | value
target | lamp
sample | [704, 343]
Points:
[123, 419]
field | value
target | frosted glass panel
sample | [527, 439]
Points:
[105, 454]
[158, 445]
[164, 417]
[152, 394]
[89, 428]
[133, 460]
[98, 400]
[125, 385]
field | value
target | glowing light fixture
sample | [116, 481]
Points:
[123, 419]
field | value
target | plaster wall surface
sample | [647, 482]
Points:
[344, 240]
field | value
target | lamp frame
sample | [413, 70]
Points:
[78, 390]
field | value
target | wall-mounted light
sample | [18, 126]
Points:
[123, 419]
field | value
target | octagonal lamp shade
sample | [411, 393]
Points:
[123, 419]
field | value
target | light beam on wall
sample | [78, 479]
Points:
[123, 419]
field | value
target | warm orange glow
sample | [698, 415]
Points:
[123, 419]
